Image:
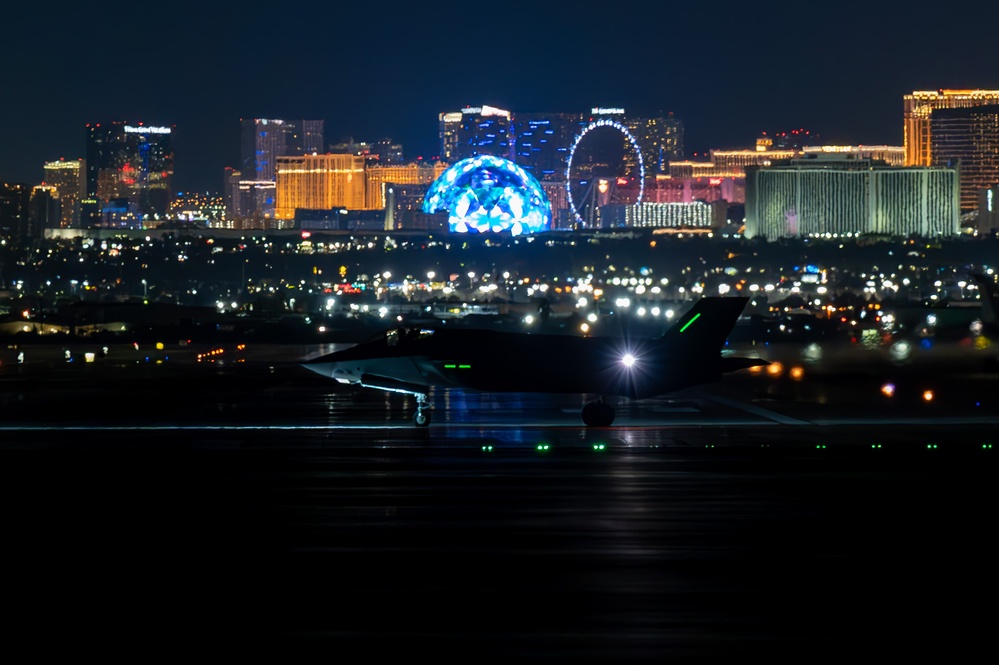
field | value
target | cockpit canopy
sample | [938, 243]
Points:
[403, 335]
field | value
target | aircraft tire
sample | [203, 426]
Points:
[422, 418]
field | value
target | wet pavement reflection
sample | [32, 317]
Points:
[248, 510]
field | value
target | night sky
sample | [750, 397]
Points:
[374, 69]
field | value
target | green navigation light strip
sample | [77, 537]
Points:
[450, 366]
[464, 367]
[687, 324]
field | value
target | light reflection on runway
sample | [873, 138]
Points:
[744, 521]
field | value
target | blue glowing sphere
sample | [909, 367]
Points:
[489, 194]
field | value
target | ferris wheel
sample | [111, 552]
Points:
[588, 188]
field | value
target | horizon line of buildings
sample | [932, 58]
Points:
[285, 177]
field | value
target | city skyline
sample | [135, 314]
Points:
[727, 72]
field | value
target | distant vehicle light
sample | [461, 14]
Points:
[928, 395]
[888, 390]
[775, 369]
[628, 360]
[797, 373]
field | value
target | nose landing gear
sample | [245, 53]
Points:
[598, 414]
[422, 417]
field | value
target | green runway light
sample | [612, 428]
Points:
[687, 324]
[820, 445]
[875, 445]
[987, 446]
[487, 449]
[450, 366]
[543, 446]
[931, 445]
[599, 446]
[464, 367]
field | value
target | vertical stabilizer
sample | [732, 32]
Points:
[704, 329]
[987, 289]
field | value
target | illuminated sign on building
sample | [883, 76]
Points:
[485, 110]
[597, 110]
[146, 130]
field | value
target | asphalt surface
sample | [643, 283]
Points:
[254, 510]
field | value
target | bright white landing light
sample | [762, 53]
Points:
[628, 360]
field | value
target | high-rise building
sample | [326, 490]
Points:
[14, 200]
[319, 182]
[474, 131]
[69, 179]
[447, 127]
[379, 178]
[968, 138]
[264, 140]
[133, 162]
[919, 108]
[543, 142]
[44, 211]
[828, 196]
[660, 140]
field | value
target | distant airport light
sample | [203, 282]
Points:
[797, 373]
[928, 395]
[591, 317]
[628, 360]
[775, 369]
[888, 390]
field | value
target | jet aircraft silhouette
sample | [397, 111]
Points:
[411, 360]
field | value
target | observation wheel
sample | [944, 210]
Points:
[604, 166]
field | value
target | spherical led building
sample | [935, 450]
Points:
[489, 194]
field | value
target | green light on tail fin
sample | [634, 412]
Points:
[687, 324]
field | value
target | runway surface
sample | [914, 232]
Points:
[256, 510]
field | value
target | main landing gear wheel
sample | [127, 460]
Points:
[598, 414]
[422, 417]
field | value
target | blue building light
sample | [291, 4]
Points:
[489, 194]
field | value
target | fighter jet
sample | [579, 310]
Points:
[411, 360]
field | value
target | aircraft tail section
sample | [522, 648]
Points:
[704, 329]
[987, 289]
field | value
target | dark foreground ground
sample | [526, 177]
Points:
[254, 511]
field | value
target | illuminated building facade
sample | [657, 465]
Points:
[246, 199]
[44, 211]
[987, 222]
[319, 182]
[69, 179]
[447, 127]
[263, 140]
[14, 200]
[379, 178]
[543, 140]
[660, 139]
[666, 189]
[831, 197]
[488, 194]
[197, 207]
[696, 214]
[476, 130]
[919, 108]
[892, 155]
[133, 162]
[968, 138]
